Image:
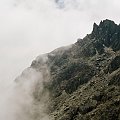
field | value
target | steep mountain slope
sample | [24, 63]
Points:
[83, 79]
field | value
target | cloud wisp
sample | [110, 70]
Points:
[27, 99]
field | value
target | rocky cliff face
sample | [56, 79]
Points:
[83, 79]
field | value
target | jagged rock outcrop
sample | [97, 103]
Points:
[84, 78]
[93, 92]
[108, 34]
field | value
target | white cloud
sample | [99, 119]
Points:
[31, 27]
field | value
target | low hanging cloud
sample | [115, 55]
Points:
[26, 99]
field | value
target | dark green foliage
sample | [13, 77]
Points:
[115, 80]
[114, 65]
[71, 77]
[99, 47]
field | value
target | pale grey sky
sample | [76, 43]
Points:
[32, 27]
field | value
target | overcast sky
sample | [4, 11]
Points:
[32, 27]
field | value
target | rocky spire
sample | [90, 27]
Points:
[107, 33]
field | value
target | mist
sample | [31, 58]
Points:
[32, 27]
[27, 99]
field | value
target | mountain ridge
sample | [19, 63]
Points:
[83, 80]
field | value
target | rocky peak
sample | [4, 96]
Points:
[107, 33]
[105, 25]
